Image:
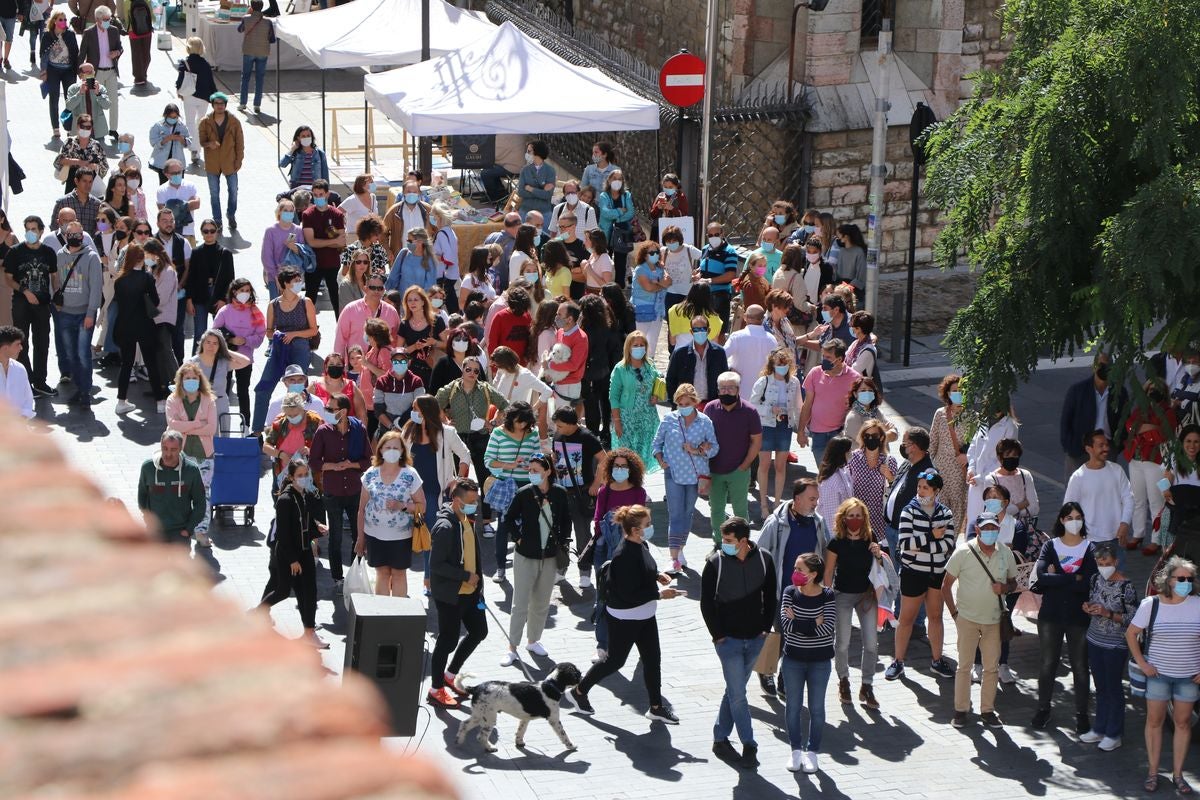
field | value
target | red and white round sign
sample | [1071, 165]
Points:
[681, 79]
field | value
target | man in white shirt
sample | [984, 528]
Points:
[14, 380]
[177, 193]
[585, 215]
[1102, 490]
[747, 349]
[294, 380]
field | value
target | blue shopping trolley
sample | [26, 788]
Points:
[235, 470]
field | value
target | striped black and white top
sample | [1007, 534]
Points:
[803, 638]
[920, 550]
[1175, 637]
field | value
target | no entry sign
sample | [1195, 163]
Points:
[681, 80]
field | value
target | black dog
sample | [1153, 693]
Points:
[524, 700]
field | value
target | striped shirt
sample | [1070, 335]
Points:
[1119, 597]
[919, 550]
[504, 448]
[1175, 638]
[803, 638]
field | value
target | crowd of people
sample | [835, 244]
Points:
[523, 396]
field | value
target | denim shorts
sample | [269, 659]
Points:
[1160, 687]
[9, 24]
[777, 438]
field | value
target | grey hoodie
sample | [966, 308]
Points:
[81, 294]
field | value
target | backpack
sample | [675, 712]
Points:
[875, 375]
[602, 577]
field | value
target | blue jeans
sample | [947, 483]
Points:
[177, 335]
[259, 65]
[681, 504]
[1108, 674]
[199, 324]
[797, 676]
[214, 191]
[74, 344]
[110, 326]
[737, 662]
[818, 441]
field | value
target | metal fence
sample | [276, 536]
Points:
[759, 145]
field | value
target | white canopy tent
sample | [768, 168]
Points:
[506, 82]
[378, 33]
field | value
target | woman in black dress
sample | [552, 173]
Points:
[299, 515]
[136, 300]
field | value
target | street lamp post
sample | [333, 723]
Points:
[878, 166]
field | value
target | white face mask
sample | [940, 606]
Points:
[714, 241]
[1106, 572]
[133, 184]
[460, 346]
[1073, 525]
[572, 199]
[243, 297]
[617, 185]
[305, 141]
[1192, 369]
[150, 262]
[391, 456]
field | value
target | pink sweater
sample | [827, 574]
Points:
[354, 317]
[203, 426]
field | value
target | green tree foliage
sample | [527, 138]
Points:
[1072, 183]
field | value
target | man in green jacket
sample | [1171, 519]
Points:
[171, 489]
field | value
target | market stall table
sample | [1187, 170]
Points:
[223, 47]
[470, 234]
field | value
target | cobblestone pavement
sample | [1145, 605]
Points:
[907, 747]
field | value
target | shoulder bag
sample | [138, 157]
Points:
[1137, 678]
[57, 298]
[188, 87]
[1007, 632]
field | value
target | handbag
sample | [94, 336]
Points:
[562, 552]
[581, 495]
[658, 394]
[188, 87]
[1007, 631]
[1137, 678]
[57, 298]
[422, 539]
[621, 240]
[500, 493]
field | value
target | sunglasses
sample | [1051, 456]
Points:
[1181, 578]
[141, 233]
[361, 261]
[470, 372]
[207, 231]
[699, 330]
[375, 288]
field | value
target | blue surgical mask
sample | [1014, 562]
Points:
[123, 147]
[1182, 588]
[295, 388]
[826, 364]
[176, 180]
[287, 216]
[993, 505]
[687, 411]
[470, 508]
[652, 258]
[411, 198]
[699, 337]
[956, 397]
[648, 534]
[399, 368]
[637, 351]
[191, 385]
[295, 420]
[866, 398]
[371, 187]
[729, 549]
[31, 237]
[620, 474]
[768, 247]
[674, 246]
[320, 202]
[669, 192]
[989, 536]
[1163, 484]
[825, 315]
[305, 484]
[781, 369]
[780, 219]
[416, 417]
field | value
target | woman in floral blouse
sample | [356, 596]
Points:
[391, 499]
[82, 150]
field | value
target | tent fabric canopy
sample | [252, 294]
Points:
[506, 82]
[386, 34]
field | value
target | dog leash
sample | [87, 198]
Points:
[487, 607]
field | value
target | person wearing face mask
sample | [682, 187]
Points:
[539, 524]
[851, 556]
[739, 432]
[76, 307]
[375, 363]
[218, 363]
[170, 491]
[633, 412]
[782, 217]
[1112, 602]
[291, 433]
[1064, 574]
[738, 601]
[999, 423]
[769, 246]
[461, 345]
[466, 402]
[507, 457]
[243, 327]
[617, 215]
[835, 324]
[1170, 661]
[925, 543]
[602, 165]
[324, 230]
[1088, 405]
[391, 500]
[455, 577]
[670, 202]
[535, 184]
[404, 216]
[292, 321]
[334, 381]
[871, 469]
[134, 294]
[293, 381]
[340, 453]
[680, 260]
[209, 273]
[985, 570]
[137, 195]
[632, 587]
[828, 394]
[170, 138]
[750, 289]
[585, 215]
[29, 271]
[701, 360]
[1016, 480]
[1185, 390]
[948, 444]
[89, 97]
[85, 149]
[395, 392]
[192, 410]
[1146, 432]
[718, 266]
[58, 51]
[807, 619]
[278, 240]
[621, 475]
[299, 523]
[649, 291]
[852, 262]
[776, 396]
[304, 161]
[749, 348]
[865, 399]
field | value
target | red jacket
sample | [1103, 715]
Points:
[1147, 446]
[512, 331]
[578, 342]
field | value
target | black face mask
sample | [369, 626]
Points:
[335, 372]
[1010, 463]
[1102, 371]
[904, 451]
[871, 442]
[728, 399]
[119, 236]
[75, 240]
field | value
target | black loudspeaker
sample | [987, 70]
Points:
[386, 644]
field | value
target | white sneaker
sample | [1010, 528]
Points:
[808, 760]
[124, 407]
[202, 539]
[585, 580]
[601, 655]
[509, 659]
[797, 762]
[1109, 743]
[537, 649]
[161, 406]
[977, 673]
[682, 559]
[1091, 737]
[1007, 676]
[489, 532]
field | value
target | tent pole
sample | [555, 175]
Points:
[278, 106]
[323, 109]
[366, 134]
[425, 154]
